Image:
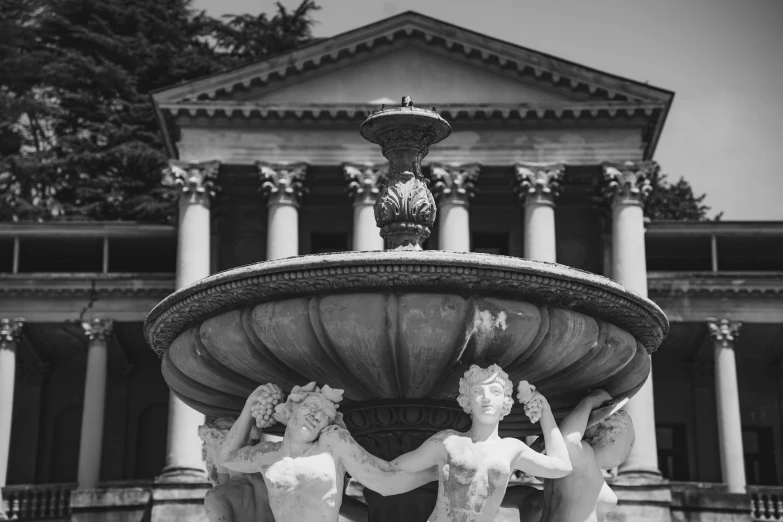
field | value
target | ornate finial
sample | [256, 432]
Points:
[405, 209]
[454, 183]
[724, 331]
[627, 182]
[196, 179]
[364, 180]
[282, 183]
[539, 182]
[97, 329]
[10, 330]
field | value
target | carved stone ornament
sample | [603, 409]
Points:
[405, 209]
[282, 183]
[197, 180]
[627, 183]
[453, 183]
[724, 331]
[364, 180]
[10, 330]
[97, 329]
[538, 182]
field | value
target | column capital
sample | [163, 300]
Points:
[10, 330]
[454, 183]
[196, 179]
[724, 331]
[538, 182]
[627, 183]
[365, 180]
[282, 183]
[97, 329]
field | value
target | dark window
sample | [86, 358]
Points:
[151, 441]
[65, 445]
[6, 254]
[323, 243]
[152, 254]
[69, 254]
[490, 243]
[673, 451]
[759, 447]
[678, 254]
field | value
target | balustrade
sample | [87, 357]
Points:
[766, 503]
[47, 501]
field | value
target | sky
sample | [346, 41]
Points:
[722, 58]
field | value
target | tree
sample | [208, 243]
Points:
[674, 201]
[77, 127]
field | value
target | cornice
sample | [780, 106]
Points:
[553, 111]
[86, 285]
[728, 284]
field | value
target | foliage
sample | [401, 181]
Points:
[674, 201]
[78, 134]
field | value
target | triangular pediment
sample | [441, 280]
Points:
[412, 54]
[430, 77]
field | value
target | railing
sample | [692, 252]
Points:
[766, 503]
[38, 502]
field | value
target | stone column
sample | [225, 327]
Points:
[453, 186]
[732, 456]
[538, 184]
[364, 183]
[10, 330]
[183, 447]
[91, 440]
[283, 185]
[626, 188]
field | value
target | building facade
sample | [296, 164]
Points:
[546, 160]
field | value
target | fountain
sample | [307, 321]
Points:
[396, 329]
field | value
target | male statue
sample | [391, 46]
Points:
[305, 472]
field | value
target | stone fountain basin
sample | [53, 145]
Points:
[402, 326]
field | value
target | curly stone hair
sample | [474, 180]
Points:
[327, 397]
[486, 376]
[608, 430]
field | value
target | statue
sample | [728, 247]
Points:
[584, 495]
[474, 467]
[305, 472]
[234, 497]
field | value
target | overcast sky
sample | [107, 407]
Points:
[722, 58]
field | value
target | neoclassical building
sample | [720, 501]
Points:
[547, 160]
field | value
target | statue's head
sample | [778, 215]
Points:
[212, 435]
[486, 393]
[308, 410]
[611, 439]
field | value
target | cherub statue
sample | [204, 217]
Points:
[234, 497]
[474, 467]
[584, 495]
[305, 472]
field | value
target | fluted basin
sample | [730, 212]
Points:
[402, 326]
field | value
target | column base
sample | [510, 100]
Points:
[182, 476]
